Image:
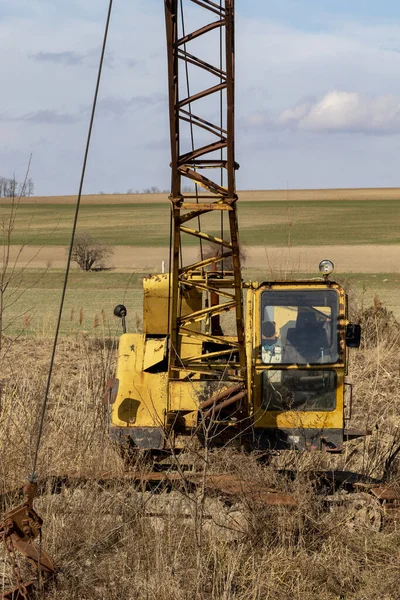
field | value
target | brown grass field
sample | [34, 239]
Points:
[113, 541]
[360, 258]
[117, 541]
[244, 195]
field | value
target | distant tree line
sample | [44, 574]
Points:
[10, 188]
[153, 190]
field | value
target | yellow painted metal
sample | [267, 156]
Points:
[299, 419]
[155, 304]
[185, 399]
[249, 345]
[157, 291]
[202, 314]
[205, 207]
[207, 237]
[149, 399]
[141, 397]
[154, 352]
[189, 346]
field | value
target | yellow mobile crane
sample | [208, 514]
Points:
[274, 375]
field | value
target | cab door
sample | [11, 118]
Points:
[299, 365]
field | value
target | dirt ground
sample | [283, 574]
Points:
[245, 195]
[300, 259]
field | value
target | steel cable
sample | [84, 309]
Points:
[33, 476]
[221, 100]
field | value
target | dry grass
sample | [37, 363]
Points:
[106, 544]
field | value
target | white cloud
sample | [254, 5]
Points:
[52, 51]
[63, 58]
[346, 112]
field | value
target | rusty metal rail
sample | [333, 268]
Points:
[227, 484]
[22, 526]
[19, 529]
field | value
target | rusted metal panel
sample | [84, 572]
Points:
[111, 390]
[232, 485]
[18, 530]
[214, 410]
[221, 395]
[144, 438]
[387, 493]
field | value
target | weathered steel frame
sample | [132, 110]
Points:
[186, 207]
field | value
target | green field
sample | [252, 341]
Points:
[273, 223]
[32, 300]
[91, 297]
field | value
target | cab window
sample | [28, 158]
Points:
[299, 389]
[299, 327]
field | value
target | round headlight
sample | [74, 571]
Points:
[326, 267]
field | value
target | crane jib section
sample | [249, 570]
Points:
[200, 43]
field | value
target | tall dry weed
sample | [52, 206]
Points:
[112, 540]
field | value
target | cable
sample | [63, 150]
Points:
[221, 126]
[32, 478]
[169, 272]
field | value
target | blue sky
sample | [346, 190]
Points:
[309, 14]
[318, 93]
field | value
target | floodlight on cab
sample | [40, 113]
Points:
[326, 267]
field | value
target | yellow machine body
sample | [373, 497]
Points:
[152, 409]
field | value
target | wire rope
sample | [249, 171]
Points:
[221, 126]
[33, 475]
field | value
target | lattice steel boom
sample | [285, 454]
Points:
[208, 165]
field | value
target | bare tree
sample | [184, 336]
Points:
[30, 187]
[12, 286]
[90, 253]
[226, 264]
[10, 188]
[151, 190]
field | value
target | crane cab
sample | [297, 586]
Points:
[292, 396]
[300, 336]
